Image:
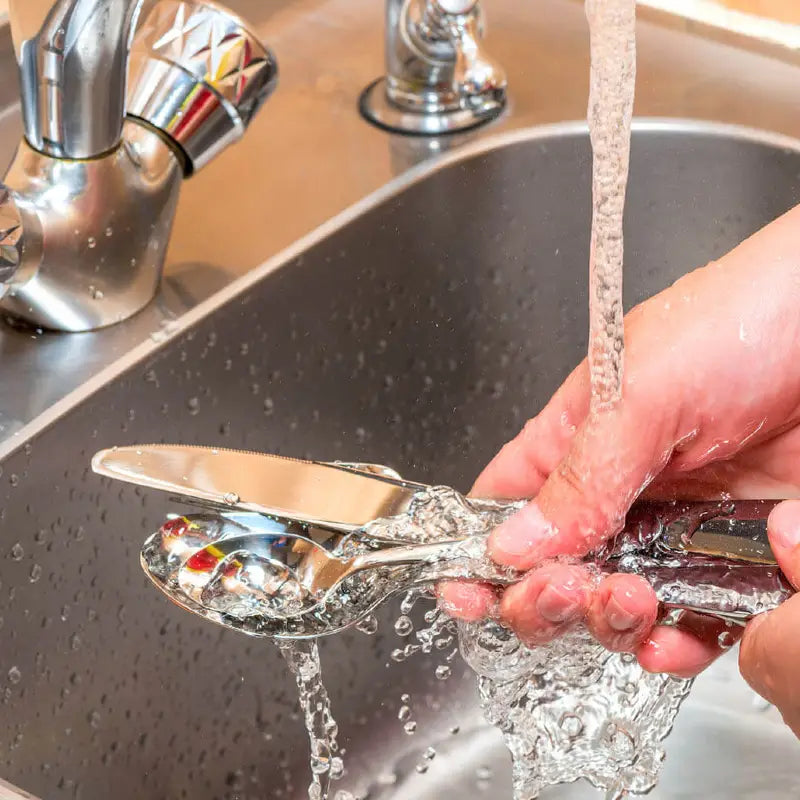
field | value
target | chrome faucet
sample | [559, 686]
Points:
[439, 79]
[121, 99]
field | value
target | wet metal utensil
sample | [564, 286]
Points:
[287, 533]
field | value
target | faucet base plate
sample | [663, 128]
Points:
[376, 108]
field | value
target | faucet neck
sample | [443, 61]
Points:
[73, 59]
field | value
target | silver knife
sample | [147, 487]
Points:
[338, 496]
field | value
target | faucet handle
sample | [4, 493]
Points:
[198, 75]
[10, 236]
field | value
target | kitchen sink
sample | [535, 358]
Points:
[420, 330]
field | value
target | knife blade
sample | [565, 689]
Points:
[335, 496]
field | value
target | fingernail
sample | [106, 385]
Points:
[618, 617]
[558, 605]
[784, 525]
[523, 535]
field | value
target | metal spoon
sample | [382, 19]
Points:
[274, 578]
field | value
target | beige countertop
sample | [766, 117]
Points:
[749, 18]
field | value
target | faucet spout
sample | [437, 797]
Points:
[73, 59]
[121, 100]
[439, 78]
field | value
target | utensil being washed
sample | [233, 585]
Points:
[294, 549]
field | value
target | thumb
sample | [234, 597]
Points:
[612, 458]
[770, 653]
[783, 527]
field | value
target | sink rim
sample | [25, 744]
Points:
[389, 190]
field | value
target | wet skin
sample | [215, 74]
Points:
[711, 408]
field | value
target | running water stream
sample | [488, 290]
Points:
[612, 32]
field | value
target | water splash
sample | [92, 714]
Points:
[570, 710]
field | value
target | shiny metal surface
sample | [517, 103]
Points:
[439, 77]
[198, 75]
[313, 493]
[87, 210]
[712, 558]
[443, 316]
[10, 235]
[280, 578]
[72, 57]
[95, 232]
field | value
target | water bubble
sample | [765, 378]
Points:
[404, 626]
[622, 744]
[726, 640]
[571, 724]
[368, 625]
[442, 672]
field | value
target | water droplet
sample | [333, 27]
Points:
[230, 498]
[404, 713]
[368, 625]
[455, 730]
[109, 231]
[571, 724]
[92, 242]
[422, 768]
[14, 675]
[726, 640]
[193, 405]
[442, 672]
[404, 626]
[17, 552]
[36, 573]
[483, 773]
[410, 727]
[429, 754]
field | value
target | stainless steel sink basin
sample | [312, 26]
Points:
[420, 332]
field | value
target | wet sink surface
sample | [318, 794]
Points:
[422, 335]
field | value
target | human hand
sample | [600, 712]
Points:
[770, 654]
[711, 407]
